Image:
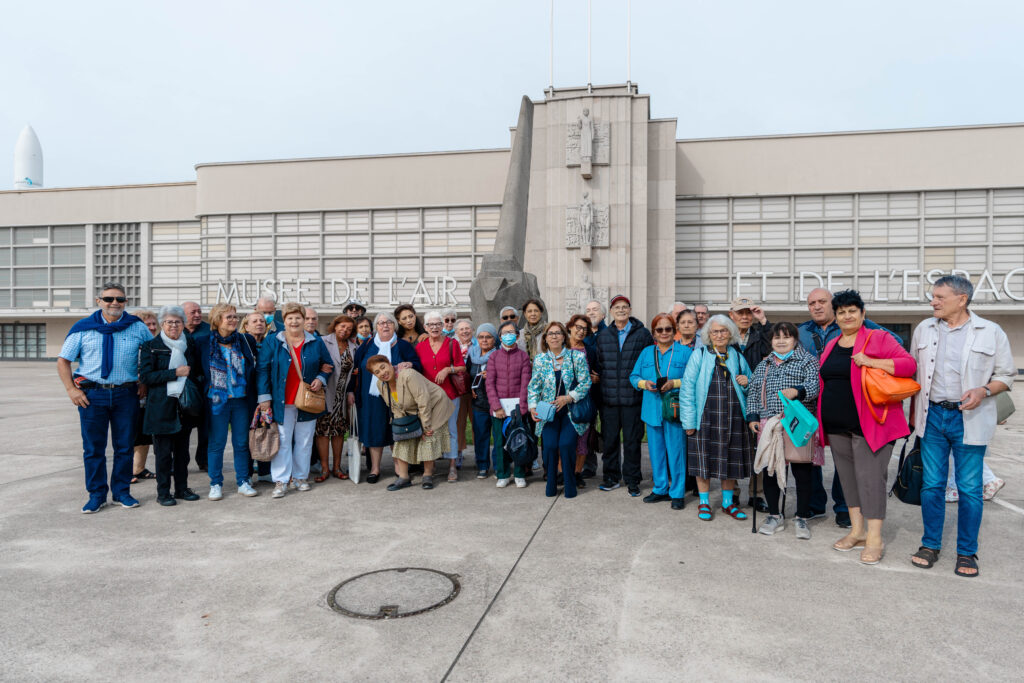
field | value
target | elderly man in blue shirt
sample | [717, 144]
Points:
[106, 391]
[815, 334]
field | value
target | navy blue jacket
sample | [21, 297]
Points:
[276, 360]
[616, 365]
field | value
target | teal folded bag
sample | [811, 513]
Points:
[798, 422]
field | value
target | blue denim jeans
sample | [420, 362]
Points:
[819, 499]
[559, 443]
[482, 428]
[944, 433]
[236, 414]
[115, 410]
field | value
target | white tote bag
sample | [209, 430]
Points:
[353, 448]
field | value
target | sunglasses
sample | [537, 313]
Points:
[112, 299]
[659, 330]
[508, 317]
[449, 320]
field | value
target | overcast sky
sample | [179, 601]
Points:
[139, 92]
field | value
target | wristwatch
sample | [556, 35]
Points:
[988, 392]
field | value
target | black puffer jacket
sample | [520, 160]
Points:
[616, 365]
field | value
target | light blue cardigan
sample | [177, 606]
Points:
[650, 408]
[697, 379]
[542, 385]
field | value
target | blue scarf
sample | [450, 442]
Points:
[97, 323]
[477, 357]
[219, 375]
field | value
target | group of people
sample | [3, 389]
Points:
[708, 391]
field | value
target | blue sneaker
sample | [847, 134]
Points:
[94, 504]
[610, 485]
[126, 501]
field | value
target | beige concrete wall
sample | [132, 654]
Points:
[411, 180]
[660, 269]
[82, 205]
[936, 159]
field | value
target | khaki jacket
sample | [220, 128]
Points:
[417, 395]
[986, 357]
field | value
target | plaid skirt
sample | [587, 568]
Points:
[723, 447]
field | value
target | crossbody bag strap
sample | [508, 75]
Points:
[295, 358]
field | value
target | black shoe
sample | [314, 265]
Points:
[609, 485]
[559, 479]
[815, 514]
[634, 490]
[678, 503]
[372, 478]
[398, 484]
[187, 494]
[589, 474]
[428, 482]
[166, 500]
[654, 497]
[759, 505]
[581, 483]
[843, 520]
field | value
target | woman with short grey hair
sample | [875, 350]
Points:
[441, 357]
[714, 407]
[449, 317]
[726, 322]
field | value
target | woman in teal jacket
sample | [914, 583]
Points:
[714, 396]
[659, 370]
[560, 376]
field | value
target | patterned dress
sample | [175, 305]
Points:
[723, 447]
[335, 423]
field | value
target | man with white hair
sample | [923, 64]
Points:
[963, 360]
[702, 313]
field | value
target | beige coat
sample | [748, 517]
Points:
[417, 395]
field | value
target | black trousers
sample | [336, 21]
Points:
[803, 474]
[624, 422]
[198, 423]
[171, 452]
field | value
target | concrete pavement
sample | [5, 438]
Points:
[603, 587]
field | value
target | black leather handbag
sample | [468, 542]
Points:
[909, 474]
[406, 427]
[191, 399]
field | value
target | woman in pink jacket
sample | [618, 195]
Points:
[861, 446]
[508, 374]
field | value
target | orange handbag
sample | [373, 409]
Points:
[882, 388]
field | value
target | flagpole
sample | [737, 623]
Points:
[629, 42]
[551, 49]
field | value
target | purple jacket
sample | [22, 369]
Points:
[508, 374]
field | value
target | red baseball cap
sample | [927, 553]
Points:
[620, 297]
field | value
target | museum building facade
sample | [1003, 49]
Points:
[616, 204]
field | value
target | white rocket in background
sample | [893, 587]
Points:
[28, 161]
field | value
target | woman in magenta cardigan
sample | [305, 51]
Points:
[861, 447]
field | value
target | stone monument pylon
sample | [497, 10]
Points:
[502, 280]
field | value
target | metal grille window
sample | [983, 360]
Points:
[371, 245]
[117, 253]
[30, 266]
[850, 235]
[22, 341]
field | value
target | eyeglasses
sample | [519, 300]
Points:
[508, 317]
[554, 333]
[433, 324]
[449, 320]
[112, 299]
[580, 328]
[719, 332]
[660, 330]
[385, 323]
[173, 323]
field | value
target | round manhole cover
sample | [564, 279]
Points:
[394, 593]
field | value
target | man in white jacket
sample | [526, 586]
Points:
[963, 360]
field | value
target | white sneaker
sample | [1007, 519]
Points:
[502, 483]
[520, 483]
[803, 532]
[279, 488]
[292, 484]
[215, 492]
[771, 524]
[246, 489]
[303, 485]
[989, 491]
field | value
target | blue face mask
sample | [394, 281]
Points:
[449, 333]
[784, 356]
[508, 339]
[361, 337]
[269, 317]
